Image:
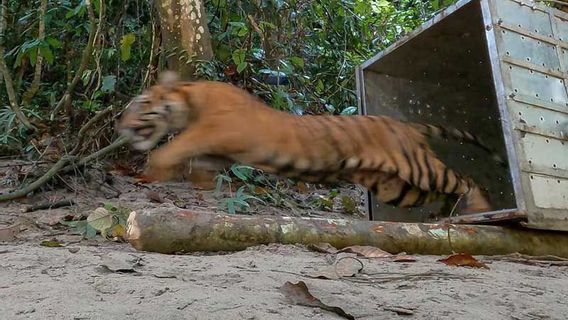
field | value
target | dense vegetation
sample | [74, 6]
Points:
[67, 59]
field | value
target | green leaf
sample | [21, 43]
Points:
[319, 86]
[109, 206]
[54, 43]
[242, 66]
[33, 57]
[230, 206]
[125, 46]
[90, 232]
[108, 83]
[223, 52]
[239, 56]
[18, 61]
[297, 61]
[46, 53]
[349, 111]
[237, 24]
[51, 243]
[242, 203]
[100, 219]
[29, 45]
[219, 3]
[78, 10]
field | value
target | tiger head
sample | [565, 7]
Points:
[159, 110]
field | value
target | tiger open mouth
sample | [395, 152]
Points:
[145, 131]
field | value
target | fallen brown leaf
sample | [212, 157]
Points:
[403, 258]
[463, 260]
[323, 247]
[124, 169]
[299, 294]
[260, 190]
[230, 70]
[342, 268]
[302, 187]
[367, 251]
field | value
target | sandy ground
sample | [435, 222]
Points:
[54, 283]
[100, 279]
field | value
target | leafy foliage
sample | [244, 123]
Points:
[109, 221]
[114, 71]
[298, 55]
[311, 48]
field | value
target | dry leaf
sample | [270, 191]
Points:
[302, 187]
[51, 243]
[100, 219]
[323, 247]
[463, 260]
[118, 231]
[260, 190]
[299, 294]
[123, 169]
[230, 70]
[367, 251]
[343, 268]
[403, 258]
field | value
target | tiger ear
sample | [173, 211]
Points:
[168, 78]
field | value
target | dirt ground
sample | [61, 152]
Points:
[101, 279]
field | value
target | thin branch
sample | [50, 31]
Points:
[14, 105]
[122, 141]
[66, 98]
[87, 126]
[39, 182]
[64, 166]
[49, 205]
[155, 46]
[99, 51]
[32, 90]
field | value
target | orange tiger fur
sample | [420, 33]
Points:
[389, 157]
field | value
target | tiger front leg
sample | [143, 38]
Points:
[165, 162]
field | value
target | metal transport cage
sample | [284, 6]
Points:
[499, 69]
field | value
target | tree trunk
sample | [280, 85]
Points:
[170, 230]
[185, 34]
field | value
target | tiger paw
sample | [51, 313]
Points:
[153, 174]
[142, 179]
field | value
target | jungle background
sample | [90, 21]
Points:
[68, 68]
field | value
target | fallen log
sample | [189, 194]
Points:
[170, 230]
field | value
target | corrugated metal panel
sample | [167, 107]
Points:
[489, 65]
[530, 41]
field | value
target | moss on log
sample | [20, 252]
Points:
[171, 230]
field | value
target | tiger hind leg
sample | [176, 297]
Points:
[392, 190]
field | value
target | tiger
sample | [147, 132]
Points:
[389, 157]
